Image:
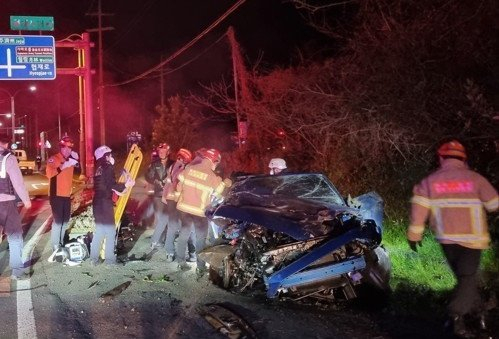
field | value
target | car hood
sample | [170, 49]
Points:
[261, 200]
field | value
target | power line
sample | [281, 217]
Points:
[182, 49]
[197, 56]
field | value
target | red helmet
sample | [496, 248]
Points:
[163, 145]
[452, 148]
[66, 141]
[213, 154]
[185, 155]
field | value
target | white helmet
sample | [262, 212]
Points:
[277, 163]
[101, 151]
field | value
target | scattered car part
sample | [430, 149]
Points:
[109, 295]
[226, 321]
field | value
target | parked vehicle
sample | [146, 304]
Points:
[295, 236]
[26, 166]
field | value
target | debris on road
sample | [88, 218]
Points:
[95, 283]
[109, 295]
[226, 322]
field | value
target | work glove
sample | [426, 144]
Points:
[74, 155]
[414, 245]
[68, 163]
[227, 182]
[129, 182]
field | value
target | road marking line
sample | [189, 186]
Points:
[26, 327]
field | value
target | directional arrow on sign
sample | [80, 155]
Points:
[9, 67]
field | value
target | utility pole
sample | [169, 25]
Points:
[242, 94]
[100, 29]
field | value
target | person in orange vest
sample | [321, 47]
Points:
[197, 185]
[456, 199]
[59, 171]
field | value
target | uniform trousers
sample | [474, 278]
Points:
[105, 231]
[464, 263]
[10, 220]
[191, 223]
[61, 212]
[173, 230]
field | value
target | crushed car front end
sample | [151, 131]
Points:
[294, 236]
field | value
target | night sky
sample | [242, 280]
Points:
[144, 32]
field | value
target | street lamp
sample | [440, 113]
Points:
[7, 115]
[13, 107]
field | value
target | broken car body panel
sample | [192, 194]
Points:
[295, 235]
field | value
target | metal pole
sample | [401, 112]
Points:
[89, 116]
[13, 114]
[102, 115]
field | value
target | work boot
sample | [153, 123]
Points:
[192, 257]
[170, 257]
[20, 276]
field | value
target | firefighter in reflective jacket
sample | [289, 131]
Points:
[197, 184]
[169, 198]
[455, 199]
[59, 171]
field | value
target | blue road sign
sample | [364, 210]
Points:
[27, 57]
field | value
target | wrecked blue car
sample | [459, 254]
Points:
[295, 236]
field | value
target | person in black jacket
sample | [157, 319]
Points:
[156, 176]
[102, 205]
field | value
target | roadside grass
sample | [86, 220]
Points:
[422, 282]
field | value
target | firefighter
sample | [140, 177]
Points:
[59, 171]
[184, 157]
[156, 176]
[197, 184]
[456, 199]
[277, 166]
[12, 184]
[103, 207]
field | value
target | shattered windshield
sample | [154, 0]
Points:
[304, 186]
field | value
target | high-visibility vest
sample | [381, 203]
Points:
[196, 186]
[60, 181]
[455, 199]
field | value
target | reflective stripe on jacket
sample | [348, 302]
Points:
[455, 199]
[172, 180]
[196, 184]
[60, 181]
